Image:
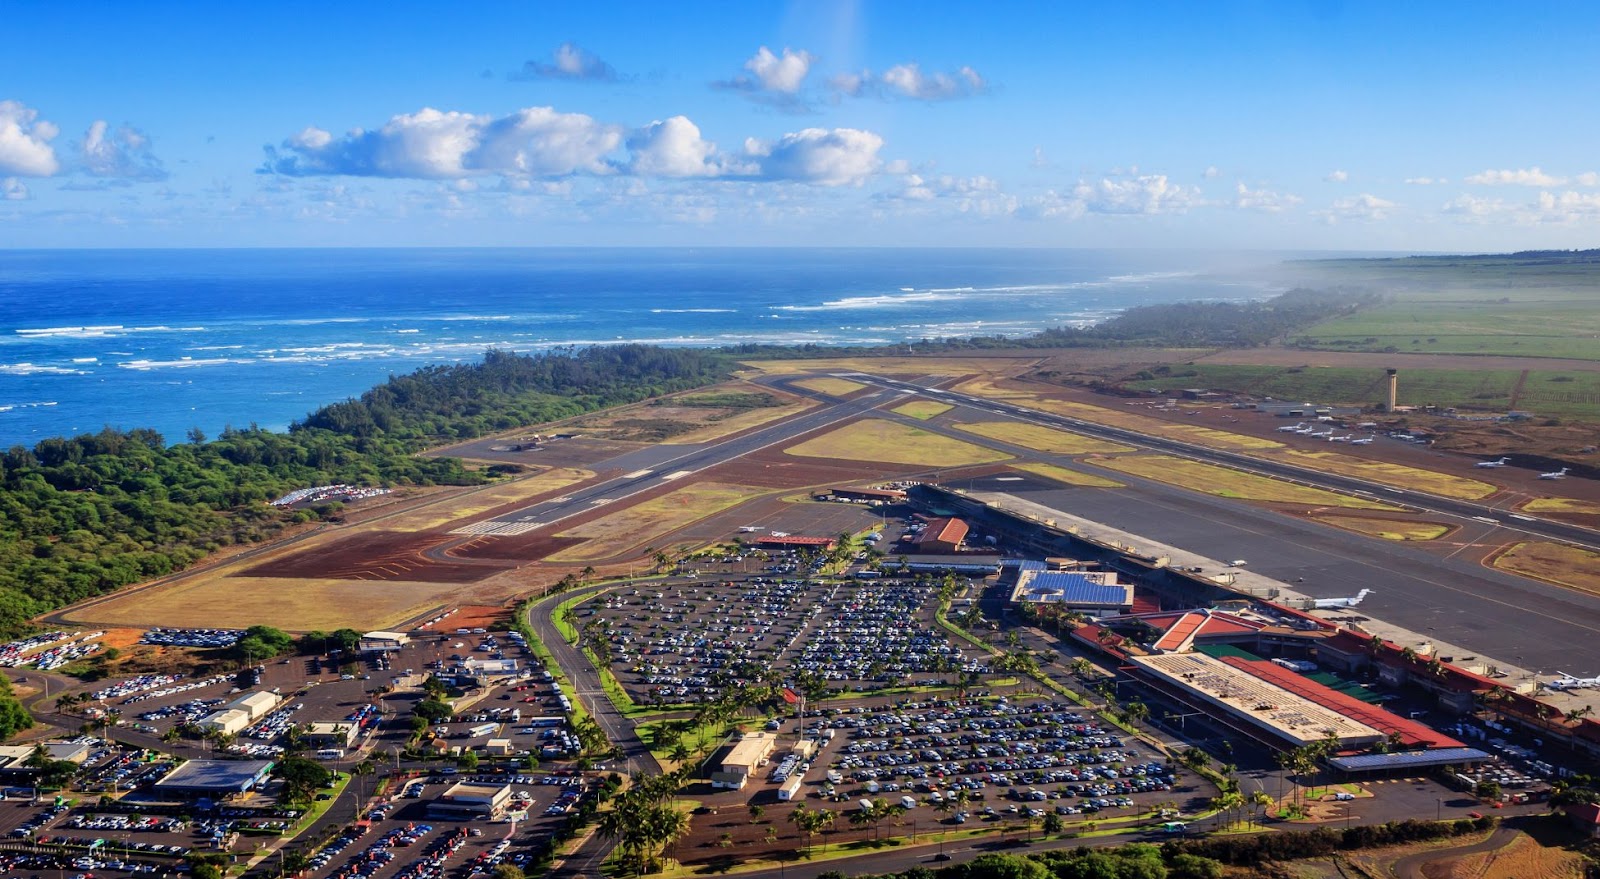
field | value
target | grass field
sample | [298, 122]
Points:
[1208, 437]
[292, 605]
[1522, 858]
[1066, 476]
[1224, 482]
[1555, 563]
[642, 523]
[1388, 529]
[888, 442]
[1042, 439]
[741, 421]
[833, 387]
[1385, 473]
[1561, 505]
[473, 503]
[923, 409]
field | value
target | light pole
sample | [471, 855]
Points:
[1438, 809]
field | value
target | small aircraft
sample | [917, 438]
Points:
[1323, 435]
[1556, 474]
[749, 529]
[1339, 439]
[1499, 463]
[1292, 428]
[1364, 441]
[1572, 682]
[1351, 601]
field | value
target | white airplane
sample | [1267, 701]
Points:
[1323, 435]
[1499, 463]
[1291, 428]
[1310, 428]
[1558, 474]
[1339, 439]
[780, 534]
[1329, 603]
[749, 529]
[1364, 441]
[1572, 682]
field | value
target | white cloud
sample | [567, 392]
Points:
[12, 189]
[1426, 181]
[1472, 208]
[1211, 172]
[432, 144]
[908, 81]
[1357, 207]
[674, 148]
[915, 187]
[569, 62]
[1337, 176]
[1517, 177]
[123, 154]
[1587, 178]
[1148, 194]
[1263, 200]
[25, 149]
[1052, 205]
[783, 74]
[837, 157]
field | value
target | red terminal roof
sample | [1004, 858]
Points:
[1412, 734]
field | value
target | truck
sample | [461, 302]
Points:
[482, 729]
[791, 788]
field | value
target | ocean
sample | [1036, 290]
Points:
[181, 339]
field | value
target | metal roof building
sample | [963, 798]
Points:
[214, 777]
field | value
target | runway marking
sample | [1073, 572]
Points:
[1523, 518]
[637, 473]
[679, 475]
[497, 529]
[1486, 519]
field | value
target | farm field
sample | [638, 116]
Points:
[615, 533]
[1042, 439]
[1388, 529]
[1385, 473]
[1555, 563]
[833, 387]
[922, 409]
[1066, 476]
[1223, 482]
[890, 442]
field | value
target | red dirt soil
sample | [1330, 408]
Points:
[378, 555]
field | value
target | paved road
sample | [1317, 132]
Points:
[635, 758]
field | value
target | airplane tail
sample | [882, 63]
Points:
[1360, 596]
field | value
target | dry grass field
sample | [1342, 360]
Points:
[1561, 505]
[1555, 563]
[1066, 476]
[889, 442]
[643, 523]
[922, 409]
[1042, 439]
[1388, 529]
[746, 420]
[1385, 473]
[1225, 482]
[468, 504]
[293, 605]
[833, 387]
[1208, 437]
[1523, 858]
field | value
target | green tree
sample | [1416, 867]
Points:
[300, 779]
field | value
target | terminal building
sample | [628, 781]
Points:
[213, 779]
[469, 801]
[744, 760]
[1091, 593]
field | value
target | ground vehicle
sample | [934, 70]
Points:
[482, 729]
[330, 753]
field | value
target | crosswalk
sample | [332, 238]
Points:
[497, 529]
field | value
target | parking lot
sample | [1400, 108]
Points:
[687, 642]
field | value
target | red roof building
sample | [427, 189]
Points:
[795, 541]
[941, 535]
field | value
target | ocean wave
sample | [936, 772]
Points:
[883, 300]
[33, 369]
[99, 331]
[213, 348]
[42, 404]
[182, 363]
[694, 311]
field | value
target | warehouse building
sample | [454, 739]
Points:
[967, 563]
[940, 536]
[383, 642]
[331, 734]
[469, 801]
[871, 495]
[237, 715]
[214, 779]
[744, 760]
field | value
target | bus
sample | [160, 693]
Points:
[330, 754]
[482, 729]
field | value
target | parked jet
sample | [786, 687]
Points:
[1558, 474]
[1291, 428]
[1323, 435]
[749, 529]
[1339, 439]
[1352, 601]
[1364, 441]
[1572, 682]
[1499, 463]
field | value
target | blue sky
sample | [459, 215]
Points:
[1301, 125]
